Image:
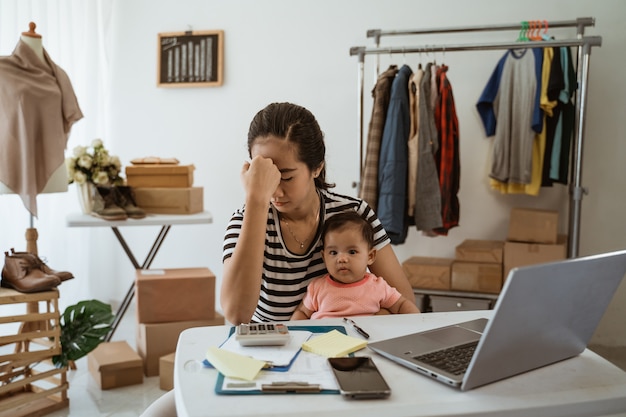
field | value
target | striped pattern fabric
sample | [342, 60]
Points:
[368, 190]
[286, 275]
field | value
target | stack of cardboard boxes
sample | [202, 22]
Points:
[480, 267]
[168, 302]
[533, 238]
[476, 268]
[165, 188]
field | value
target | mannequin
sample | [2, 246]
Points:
[33, 39]
[58, 181]
[45, 86]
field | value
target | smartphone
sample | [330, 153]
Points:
[358, 377]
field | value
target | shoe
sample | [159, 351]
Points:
[105, 206]
[125, 198]
[23, 275]
[63, 275]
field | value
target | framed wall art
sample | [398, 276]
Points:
[190, 59]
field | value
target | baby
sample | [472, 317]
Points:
[349, 289]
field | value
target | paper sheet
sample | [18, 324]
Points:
[333, 344]
[234, 365]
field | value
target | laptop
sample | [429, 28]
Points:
[545, 313]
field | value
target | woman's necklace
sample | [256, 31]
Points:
[300, 242]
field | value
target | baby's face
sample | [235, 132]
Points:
[347, 255]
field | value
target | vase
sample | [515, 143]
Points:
[86, 192]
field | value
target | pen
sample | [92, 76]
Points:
[357, 328]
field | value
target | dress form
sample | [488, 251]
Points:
[58, 180]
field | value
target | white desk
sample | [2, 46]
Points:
[586, 385]
[166, 221]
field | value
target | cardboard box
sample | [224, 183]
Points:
[115, 364]
[159, 175]
[170, 200]
[476, 277]
[487, 251]
[521, 254]
[427, 272]
[158, 339]
[180, 294]
[533, 225]
[166, 372]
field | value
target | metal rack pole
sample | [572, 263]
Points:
[587, 40]
[580, 23]
[576, 189]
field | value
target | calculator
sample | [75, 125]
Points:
[262, 334]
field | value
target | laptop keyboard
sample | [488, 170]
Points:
[454, 360]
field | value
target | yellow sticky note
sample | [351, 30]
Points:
[333, 344]
[233, 364]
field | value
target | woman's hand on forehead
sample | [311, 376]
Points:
[260, 176]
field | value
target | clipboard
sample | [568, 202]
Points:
[280, 387]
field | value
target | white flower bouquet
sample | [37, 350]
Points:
[94, 165]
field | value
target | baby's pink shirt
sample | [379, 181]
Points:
[328, 298]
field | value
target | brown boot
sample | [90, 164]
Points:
[63, 275]
[125, 198]
[23, 275]
[105, 207]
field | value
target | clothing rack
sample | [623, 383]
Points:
[583, 45]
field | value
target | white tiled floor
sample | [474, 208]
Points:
[86, 398]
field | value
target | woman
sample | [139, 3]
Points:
[272, 247]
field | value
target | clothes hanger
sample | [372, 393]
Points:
[31, 31]
[545, 35]
[531, 30]
[522, 37]
[537, 31]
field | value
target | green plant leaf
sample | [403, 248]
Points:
[83, 327]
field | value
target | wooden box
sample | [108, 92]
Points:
[476, 277]
[115, 364]
[170, 200]
[159, 175]
[533, 225]
[155, 340]
[475, 250]
[428, 273]
[30, 385]
[179, 294]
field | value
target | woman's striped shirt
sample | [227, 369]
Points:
[285, 274]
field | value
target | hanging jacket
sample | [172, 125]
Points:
[368, 190]
[447, 156]
[427, 193]
[392, 166]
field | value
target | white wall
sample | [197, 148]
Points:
[282, 50]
